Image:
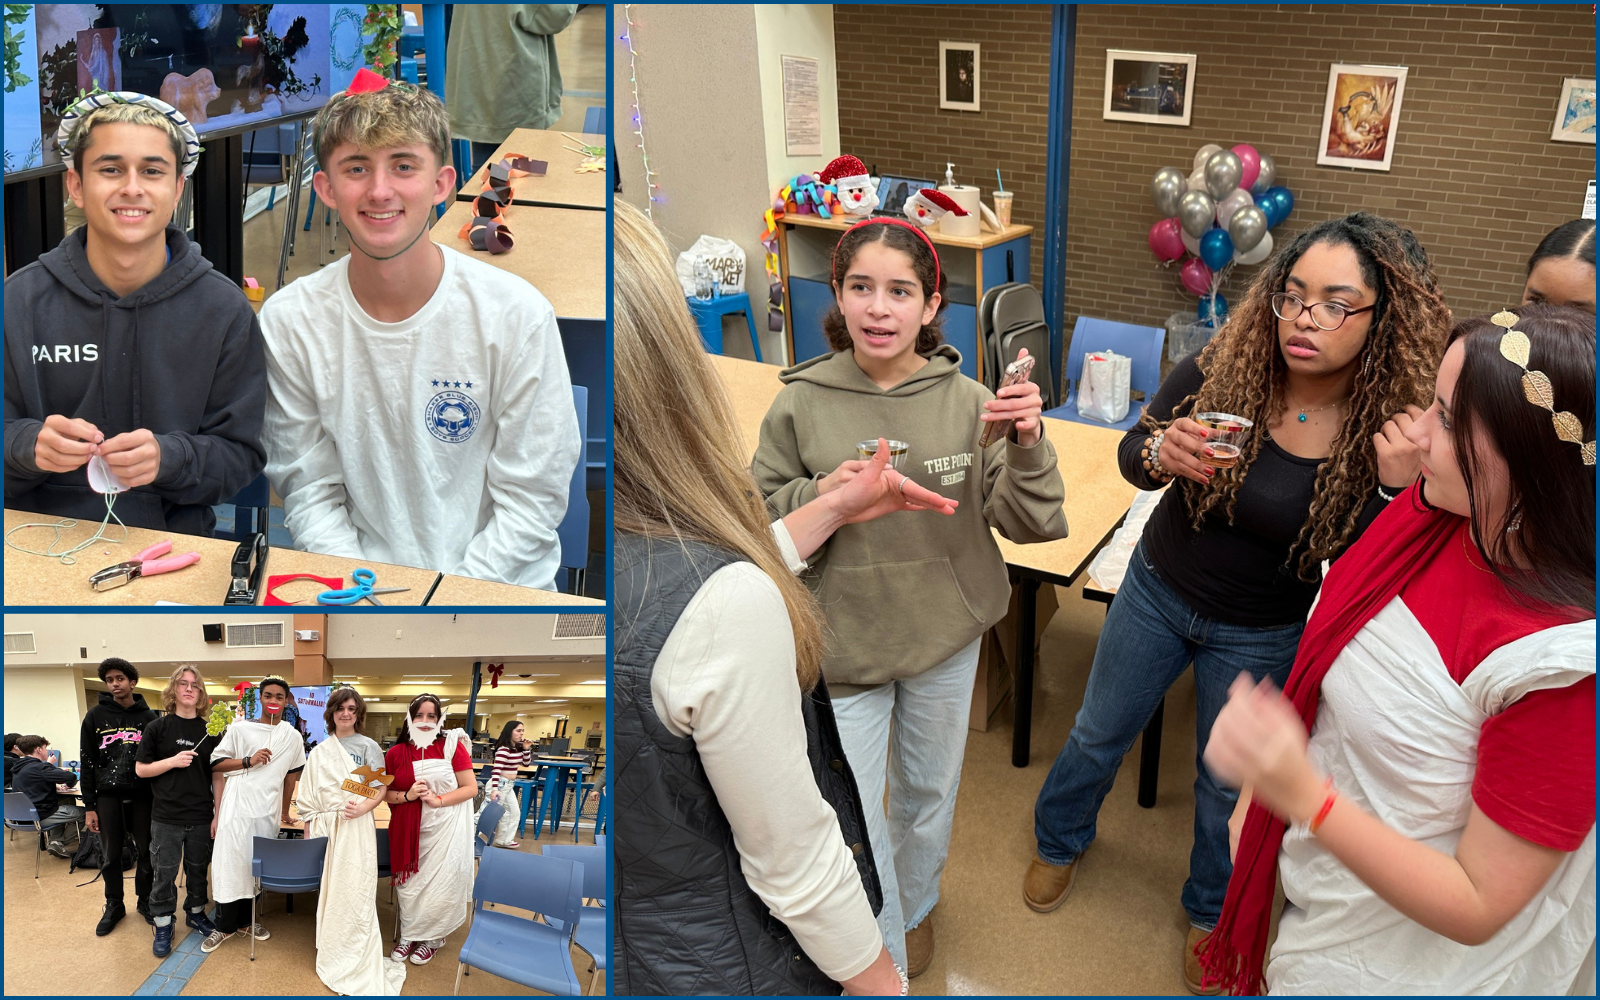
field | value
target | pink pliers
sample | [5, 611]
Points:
[146, 563]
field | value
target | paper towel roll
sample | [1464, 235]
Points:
[967, 198]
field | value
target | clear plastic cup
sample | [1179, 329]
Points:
[1002, 207]
[898, 450]
[1226, 437]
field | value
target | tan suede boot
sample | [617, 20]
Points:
[919, 947]
[1046, 886]
[1191, 964]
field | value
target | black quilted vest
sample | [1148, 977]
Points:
[687, 923]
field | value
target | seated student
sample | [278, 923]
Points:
[254, 770]
[37, 778]
[122, 342]
[117, 799]
[171, 755]
[12, 757]
[1561, 270]
[420, 410]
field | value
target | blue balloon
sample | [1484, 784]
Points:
[1268, 203]
[1206, 315]
[1284, 199]
[1216, 249]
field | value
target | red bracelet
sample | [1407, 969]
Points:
[1327, 807]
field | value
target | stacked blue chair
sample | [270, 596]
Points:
[591, 936]
[527, 952]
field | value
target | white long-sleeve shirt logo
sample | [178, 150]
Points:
[452, 416]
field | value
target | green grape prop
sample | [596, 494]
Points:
[217, 722]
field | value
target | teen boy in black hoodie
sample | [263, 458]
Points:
[37, 778]
[123, 342]
[117, 800]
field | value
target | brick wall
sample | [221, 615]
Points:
[1474, 172]
[889, 97]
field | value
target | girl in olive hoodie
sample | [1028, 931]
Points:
[907, 599]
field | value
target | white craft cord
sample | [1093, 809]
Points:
[71, 522]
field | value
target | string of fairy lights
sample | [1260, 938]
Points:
[638, 123]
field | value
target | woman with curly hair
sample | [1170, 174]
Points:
[1330, 357]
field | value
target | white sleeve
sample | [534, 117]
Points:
[535, 450]
[726, 677]
[302, 460]
[791, 555]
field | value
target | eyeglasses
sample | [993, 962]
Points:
[1326, 316]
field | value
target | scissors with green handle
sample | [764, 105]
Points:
[362, 591]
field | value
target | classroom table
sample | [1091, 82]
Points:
[1097, 497]
[453, 591]
[31, 579]
[562, 766]
[559, 251]
[561, 186]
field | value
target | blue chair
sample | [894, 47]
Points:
[552, 802]
[594, 121]
[254, 500]
[22, 814]
[285, 866]
[1141, 343]
[591, 936]
[708, 315]
[602, 816]
[530, 794]
[600, 838]
[534, 954]
[487, 821]
[584, 788]
[573, 531]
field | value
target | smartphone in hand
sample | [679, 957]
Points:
[1016, 371]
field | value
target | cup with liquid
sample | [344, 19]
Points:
[897, 452]
[1226, 435]
[1002, 207]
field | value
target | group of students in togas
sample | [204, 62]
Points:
[1388, 602]
[411, 405]
[199, 800]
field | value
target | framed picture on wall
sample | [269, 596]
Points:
[1575, 113]
[1361, 120]
[1148, 86]
[958, 76]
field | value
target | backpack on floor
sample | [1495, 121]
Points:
[90, 855]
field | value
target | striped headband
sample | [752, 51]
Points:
[890, 222]
[75, 115]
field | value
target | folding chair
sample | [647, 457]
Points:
[524, 951]
[287, 866]
[22, 814]
[591, 935]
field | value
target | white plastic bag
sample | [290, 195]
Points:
[1110, 564]
[726, 259]
[1104, 386]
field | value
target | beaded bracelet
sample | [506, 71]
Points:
[1151, 453]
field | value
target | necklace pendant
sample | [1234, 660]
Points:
[1302, 416]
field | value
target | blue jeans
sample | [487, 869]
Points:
[906, 738]
[1150, 636]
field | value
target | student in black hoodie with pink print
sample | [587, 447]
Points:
[117, 799]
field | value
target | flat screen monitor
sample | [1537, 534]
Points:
[893, 192]
[228, 68]
[560, 745]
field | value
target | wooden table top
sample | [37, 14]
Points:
[559, 251]
[982, 241]
[1096, 497]
[561, 186]
[35, 580]
[461, 590]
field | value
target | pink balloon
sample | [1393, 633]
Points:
[1249, 163]
[1165, 241]
[1196, 276]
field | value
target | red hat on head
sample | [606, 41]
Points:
[843, 170]
[942, 200]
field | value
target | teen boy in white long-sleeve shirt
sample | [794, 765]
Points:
[419, 410]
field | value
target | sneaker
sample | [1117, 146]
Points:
[59, 849]
[163, 945]
[143, 909]
[257, 931]
[401, 950]
[421, 954]
[200, 922]
[213, 939]
[114, 912]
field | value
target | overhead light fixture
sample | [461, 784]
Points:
[601, 681]
[551, 701]
[427, 675]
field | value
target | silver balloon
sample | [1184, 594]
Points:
[1268, 175]
[1223, 173]
[1260, 252]
[1166, 188]
[1196, 213]
[1246, 228]
[1205, 153]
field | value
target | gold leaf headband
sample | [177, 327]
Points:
[1514, 347]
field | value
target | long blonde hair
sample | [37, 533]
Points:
[679, 469]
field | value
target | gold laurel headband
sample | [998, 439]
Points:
[1536, 386]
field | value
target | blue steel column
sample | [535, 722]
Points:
[1063, 43]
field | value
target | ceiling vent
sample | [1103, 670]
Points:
[580, 627]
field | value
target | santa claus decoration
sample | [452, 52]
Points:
[929, 205]
[849, 178]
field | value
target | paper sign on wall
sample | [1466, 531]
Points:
[1588, 202]
[802, 107]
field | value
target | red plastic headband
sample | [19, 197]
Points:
[890, 222]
